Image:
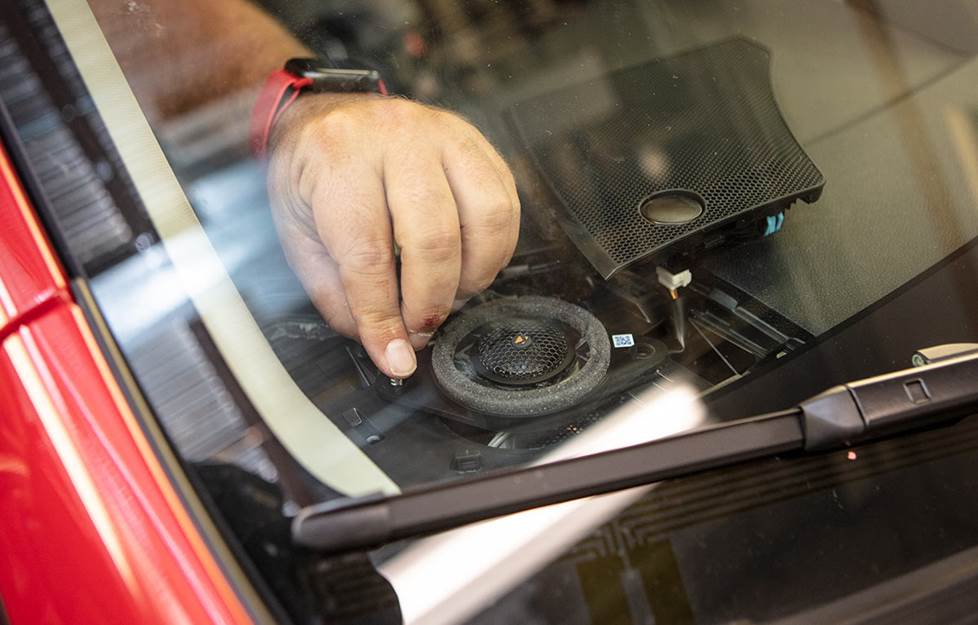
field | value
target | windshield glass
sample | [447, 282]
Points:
[561, 210]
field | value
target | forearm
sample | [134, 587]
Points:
[179, 54]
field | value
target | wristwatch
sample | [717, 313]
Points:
[283, 86]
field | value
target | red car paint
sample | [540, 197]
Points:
[91, 529]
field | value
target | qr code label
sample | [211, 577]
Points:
[622, 340]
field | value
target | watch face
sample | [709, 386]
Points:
[304, 66]
[331, 79]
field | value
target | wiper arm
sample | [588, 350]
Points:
[906, 400]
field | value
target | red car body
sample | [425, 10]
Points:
[93, 530]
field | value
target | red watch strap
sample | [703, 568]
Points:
[278, 93]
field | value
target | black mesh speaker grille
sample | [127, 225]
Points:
[523, 351]
[704, 123]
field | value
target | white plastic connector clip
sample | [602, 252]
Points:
[673, 281]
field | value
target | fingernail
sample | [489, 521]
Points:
[419, 339]
[400, 358]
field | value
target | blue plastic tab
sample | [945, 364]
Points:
[774, 223]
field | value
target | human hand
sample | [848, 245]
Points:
[350, 176]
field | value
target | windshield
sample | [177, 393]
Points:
[561, 211]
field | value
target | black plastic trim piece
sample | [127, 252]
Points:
[831, 417]
[886, 404]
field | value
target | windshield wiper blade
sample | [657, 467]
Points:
[906, 400]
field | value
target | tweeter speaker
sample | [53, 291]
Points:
[521, 357]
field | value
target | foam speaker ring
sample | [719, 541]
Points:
[516, 401]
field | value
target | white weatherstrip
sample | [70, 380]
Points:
[304, 431]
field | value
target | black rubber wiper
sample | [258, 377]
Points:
[912, 399]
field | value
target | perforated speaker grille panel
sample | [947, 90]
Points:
[704, 122]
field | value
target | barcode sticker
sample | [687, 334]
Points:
[622, 340]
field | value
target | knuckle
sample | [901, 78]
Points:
[439, 246]
[422, 201]
[377, 324]
[373, 319]
[497, 217]
[367, 256]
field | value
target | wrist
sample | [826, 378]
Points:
[283, 87]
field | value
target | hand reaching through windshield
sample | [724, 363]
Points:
[351, 177]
